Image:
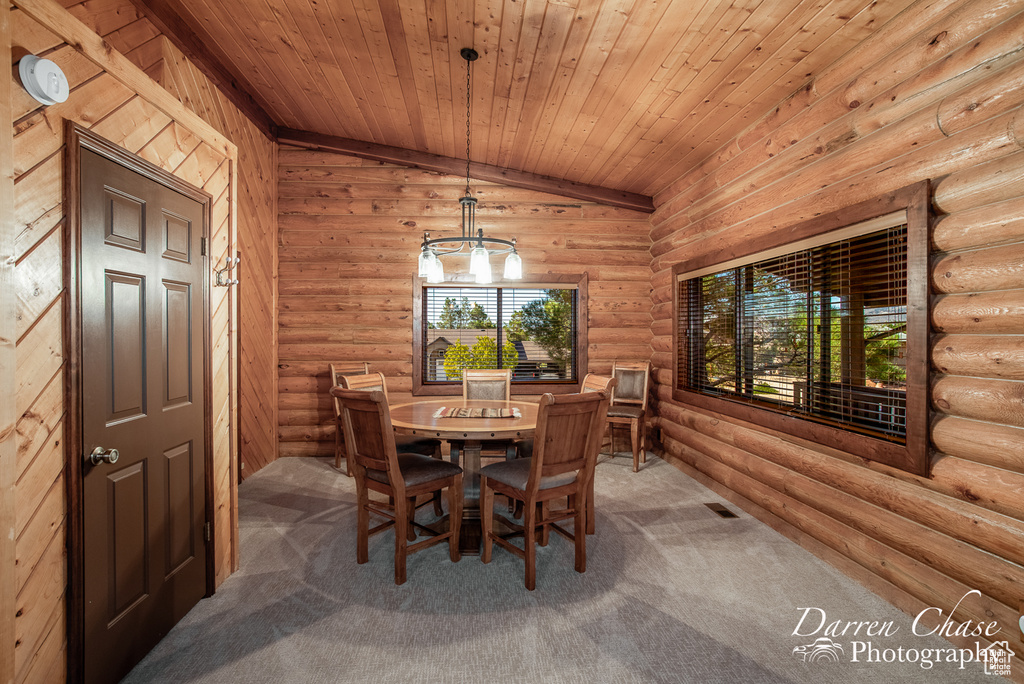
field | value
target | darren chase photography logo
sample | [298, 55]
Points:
[868, 641]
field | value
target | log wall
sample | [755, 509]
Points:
[114, 92]
[349, 238]
[923, 97]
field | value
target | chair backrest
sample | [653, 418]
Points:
[570, 428]
[597, 383]
[368, 382]
[336, 370]
[487, 383]
[633, 379]
[369, 436]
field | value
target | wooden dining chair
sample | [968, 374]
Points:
[629, 406]
[591, 383]
[378, 466]
[566, 442]
[491, 384]
[406, 443]
[411, 443]
[335, 372]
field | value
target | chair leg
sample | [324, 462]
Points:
[401, 525]
[591, 525]
[579, 534]
[634, 438]
[643, 439]
[486, 518]
[454, 517]
[438, 510]
[362, 527]
[545, 530]
[529, 543]
[410, 533]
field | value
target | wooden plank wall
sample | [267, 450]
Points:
[8, 360]
[147, 121]
[926, 96]
[257, 247]
[349, 237]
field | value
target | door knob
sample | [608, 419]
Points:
[101, 455]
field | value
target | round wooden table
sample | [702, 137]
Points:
[417, 418]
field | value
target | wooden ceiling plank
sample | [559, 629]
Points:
[397, 41]
[343, 65]
[364, 68]
[385, 38]
[487, 42]
[767, 85]
[638, 29]
[169, 22]
[233, 32]
[559, 150]
[460, 17]
[522, 69]
[747, 49]
[441, 62]
[622, 81]
[440, 164]
[835, 45]
[417, 47]
[511, 21]
[554, 34]
[332, 77]
[285, 43]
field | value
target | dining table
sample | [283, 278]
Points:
[424, 417]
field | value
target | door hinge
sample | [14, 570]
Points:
[202, 246]
[206, 531]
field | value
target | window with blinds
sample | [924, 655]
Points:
[533, 331]
[818, 333]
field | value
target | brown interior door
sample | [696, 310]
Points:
[143, 395]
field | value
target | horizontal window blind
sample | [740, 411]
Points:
[530, 330]
[818, 333]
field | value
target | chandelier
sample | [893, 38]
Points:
[473, 240]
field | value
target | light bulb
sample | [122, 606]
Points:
[436, 274]
[483, 274]
[513, 266]
[424, 263]
[477, 259]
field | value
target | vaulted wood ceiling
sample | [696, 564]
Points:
[620, 94]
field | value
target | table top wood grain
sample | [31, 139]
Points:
[417, 418]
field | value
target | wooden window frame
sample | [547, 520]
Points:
[909, 454]
[577, 282]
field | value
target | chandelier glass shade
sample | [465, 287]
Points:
[472, 240]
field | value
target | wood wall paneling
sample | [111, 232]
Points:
[864, 127]
[8, 362]
[349, 236]
[110, 95]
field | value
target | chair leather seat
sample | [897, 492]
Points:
[625, 411]
[417, 445]
[417, 469]
[516, 474]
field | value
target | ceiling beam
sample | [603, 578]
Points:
[165, 17]
[457, 167]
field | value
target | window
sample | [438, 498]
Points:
[815, 336]
[536, 329]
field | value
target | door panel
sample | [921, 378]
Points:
[125, 314]
[142, 393]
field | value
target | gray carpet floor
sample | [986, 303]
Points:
[672, 593]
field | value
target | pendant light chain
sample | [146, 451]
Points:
[481, 247]
[468, 100]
